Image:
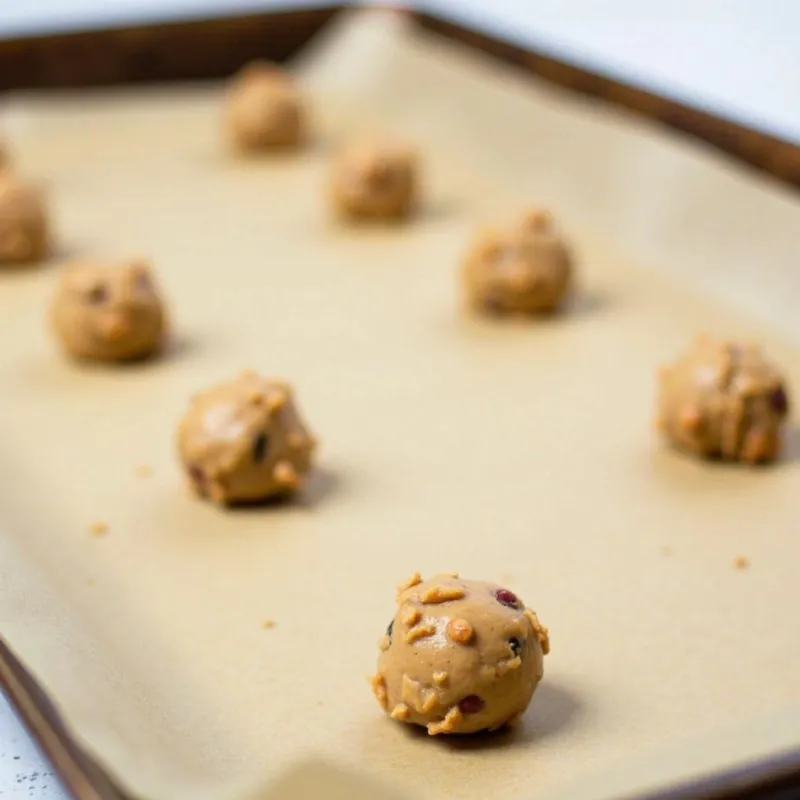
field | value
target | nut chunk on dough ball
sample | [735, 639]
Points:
[722, 399]
[109, 312]
[23, 221]
[375, 181]
[526, 269]
[264, 109]
[244, 441]
[459, 656]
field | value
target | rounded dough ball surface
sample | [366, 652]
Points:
[723, 399]
[105, 312]
[264, 109]
[244, 441]
[527, 269]
[23, 221]
[460, 656]
[374, 181]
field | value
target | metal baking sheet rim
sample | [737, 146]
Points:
[87, 781]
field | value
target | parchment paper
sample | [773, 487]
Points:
[516, 452]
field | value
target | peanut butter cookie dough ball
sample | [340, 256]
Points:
[244, 441]
[460, 656]
[723, 399]
[376, 181]
[23, 221]
[264, 109]
[526, 269]
[109, 312]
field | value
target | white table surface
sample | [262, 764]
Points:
[739, 58]
[23, 772]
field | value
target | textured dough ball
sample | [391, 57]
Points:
[375, 181]
[723, 399]
[264, 109]
[105, 312]
[23, 221]
[527, 269]
[459, 656]
[244, 441]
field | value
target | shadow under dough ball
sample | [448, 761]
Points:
[459, 656]
[264, 109]
[111, 313]
[377, 181]
[244, 441]
[24, 227]
[723, 399]
[526, 269]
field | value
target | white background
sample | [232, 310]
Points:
[738, 58]
[23, 772]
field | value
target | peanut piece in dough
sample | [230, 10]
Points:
[264, 109]
[375, 181]
[244, 441]
[723, 399]
[526, 269]
[469, 663]
[109, 312]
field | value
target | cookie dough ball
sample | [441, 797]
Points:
[723, 399]
[459, 656]
[244, 441]
[264, 109]
[23, 221]
[375, 181]
[109, 312]
[526, 269]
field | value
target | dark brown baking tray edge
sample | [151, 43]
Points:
[80, 775]
[171, 51]
[779, 158]
[202, 49]
[87, 780]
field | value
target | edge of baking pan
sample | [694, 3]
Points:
[168, 51]
[157, 51]
[81, 775]
[774, 779]
[764, 151]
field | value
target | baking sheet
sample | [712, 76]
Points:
[517, 452]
